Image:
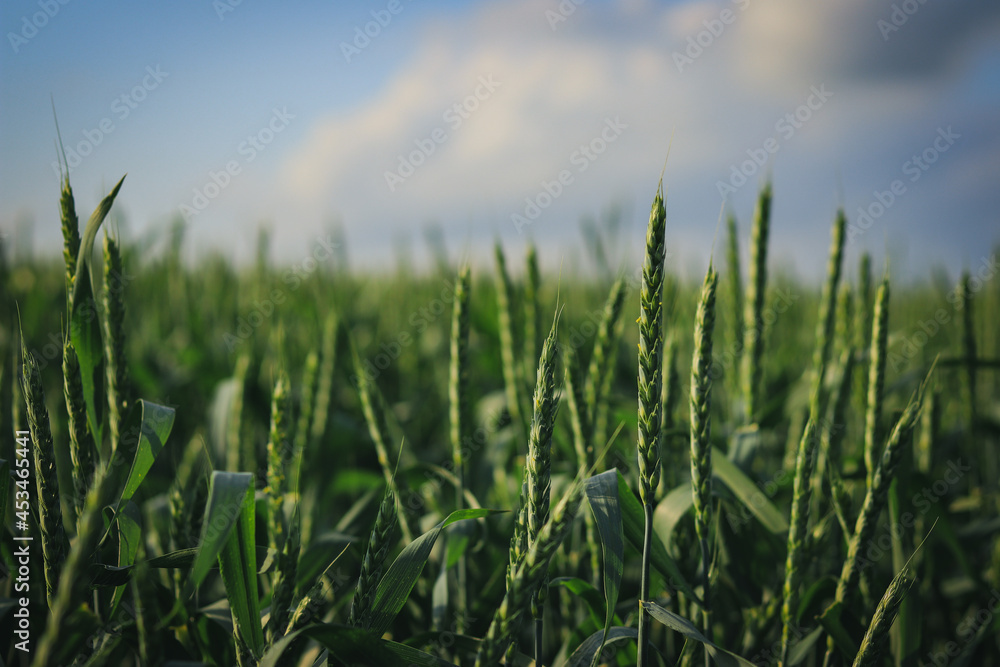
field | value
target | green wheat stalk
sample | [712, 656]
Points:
[835, 431]
[795, 562]
[877, 357]
[379, 543]
[870, 653]
[753, 336]
[701, 446]
[845, 318]
[597, 384]
[324, 384]
[277, 449]
[576, 402]
[458, 404]
[538, 463]
[283, 580]
[528, 577]
[579, 414]
[877, 493]
[81, 444]
[119, 399]
[650, 389]
[969, 350]
[307, 406]
[827, 314]
[532, 310]
[71, 236]
[671, 399]
[55, 544]
[73, 573]
[930, 425]
[508, 345]
[235, 444]
[182, 509]
[735, 276]
[863, 316]
[875, 500]
[373, 405]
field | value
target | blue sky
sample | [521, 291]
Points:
[509, 120]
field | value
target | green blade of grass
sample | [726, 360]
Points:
[227, 493]
[633, 526]
[602, 494]
[722, 657]
[238, 567]
[591, 597]
[85, 328]
[669, 512]
[146, 431]
[831, 623]
[595, 646]
[395, 586]
[184, 558]
[801, 650]
[129, 536]
[749, 494]
[353, 646]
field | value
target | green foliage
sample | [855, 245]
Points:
[235, 518]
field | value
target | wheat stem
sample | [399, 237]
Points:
[458, 402]
[538, 463]
[701, 446]
[735, 276]
[527, 578]
[878, 355]
[597, 384]
[753, 335]
[508, 343]
[650, 389]
[805, 459]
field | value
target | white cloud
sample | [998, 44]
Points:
[557, 87]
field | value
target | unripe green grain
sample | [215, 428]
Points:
[119, 394]
[701, 402]
[508, 343]
[277, 451]
[71, 235]
[877, 493]
[458, 405]
[538, 464]
[529, 576]
[735, 277]
[379, 543]
[324, 384]
[597, 384]
[81, 444]
[805, 459]
[650, 390]
[876, 375]
[55, 544]
[650, 352]
[701, 445]
[306, 408]
[753, 337]
[870, 652]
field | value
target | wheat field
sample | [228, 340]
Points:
[495, 464]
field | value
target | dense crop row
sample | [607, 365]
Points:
[285, 465]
